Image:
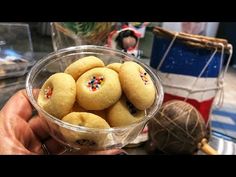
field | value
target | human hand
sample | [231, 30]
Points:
[23, 133]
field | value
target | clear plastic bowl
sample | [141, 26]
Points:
[116, 137]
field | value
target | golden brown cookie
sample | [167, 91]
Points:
[115, 66]
[88, 120]
[57, 95]
[98, 89]
[123, 113]
[77, 68]
[137, 85]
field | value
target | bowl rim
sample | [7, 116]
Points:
[144, 120]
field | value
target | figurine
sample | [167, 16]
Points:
[125, 39]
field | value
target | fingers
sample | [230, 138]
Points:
[39, 127]
[17, 137]
[54, 147]
[49, 147]
[18, 105]
[106, 152]
[34, 145]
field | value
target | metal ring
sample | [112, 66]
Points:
[67, 150]
[45, 149]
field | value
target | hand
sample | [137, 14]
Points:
[22, 133]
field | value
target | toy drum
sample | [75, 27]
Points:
[190, 67]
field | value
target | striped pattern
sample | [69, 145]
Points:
[202, 88]
[181, 68]
[224, 121]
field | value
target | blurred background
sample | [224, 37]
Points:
[42, 41]
[39, 39]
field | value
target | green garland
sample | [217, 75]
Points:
[80, 28]
[91, 32]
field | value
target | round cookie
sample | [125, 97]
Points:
[57, 95]
[98, 89]
[87, 120]
[123, 113]
[115, 66]
[137, 85]
[77, 68]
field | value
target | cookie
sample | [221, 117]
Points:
[81, 138]
[123, 113]
[77, 68]
[137, 85]
[57, 95]
[98, 89]
[115, 66]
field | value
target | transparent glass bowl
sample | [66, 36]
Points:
[116, 137]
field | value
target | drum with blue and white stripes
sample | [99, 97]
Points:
[190, 67]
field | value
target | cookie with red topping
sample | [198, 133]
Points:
[57, 95]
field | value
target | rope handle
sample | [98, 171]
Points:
[220, 83]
